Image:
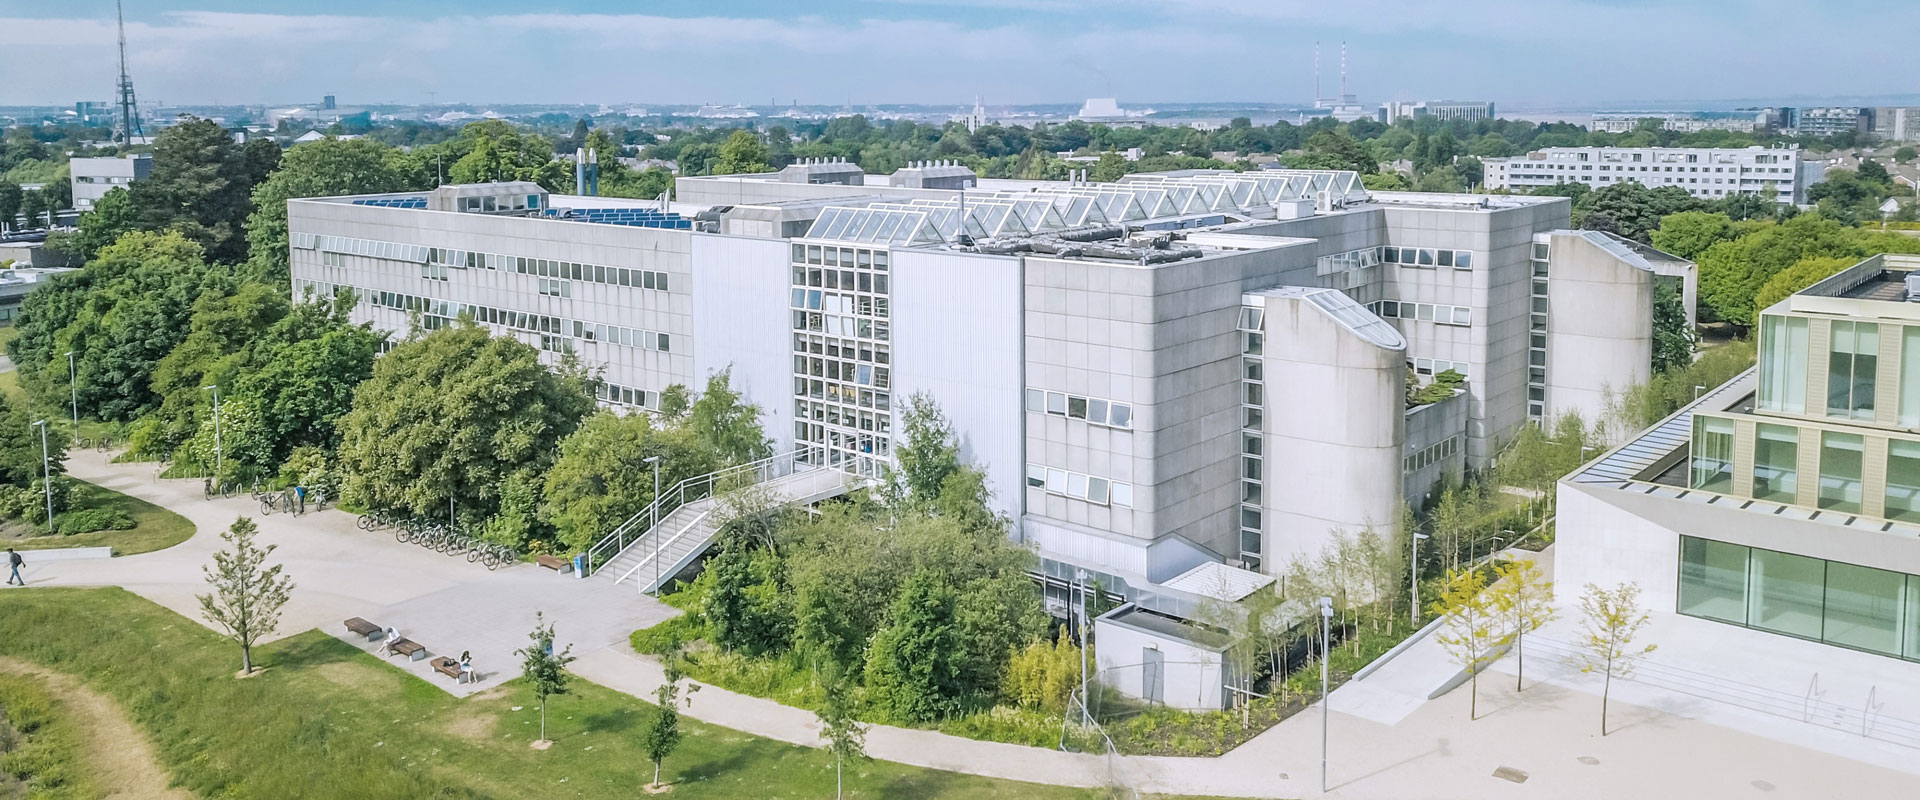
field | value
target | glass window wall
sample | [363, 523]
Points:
[1903, 481]
[1840, 457]
[1713, 454]
[1783, 364]
[1848, 605]
[1776, 453]
[1852, 369]
[1784, 593]
[1713, 580]
[1910, 377]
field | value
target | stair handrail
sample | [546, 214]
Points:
[698, 487]
[664, 547]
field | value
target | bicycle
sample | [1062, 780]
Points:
[206, 488]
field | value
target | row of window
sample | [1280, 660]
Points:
[1435, 366]
[1430, 455]
[834, 369]
[835, 302]
[1072, 406]
[1843, 604]
[491, 203]
[1350, 260]
[846, 326]
[840, 257]
[392, 251]
[337, 246]
[628, 396]
[1078, 486]
[1253, 378]
[1427, 257]
[537, 323]
[1425, 312]
[829, 414]
[1853, 368]
[1776, 467]
[845, 280]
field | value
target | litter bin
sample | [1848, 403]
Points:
[580, 565]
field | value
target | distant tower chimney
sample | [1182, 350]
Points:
[129, 124]
[1317, 96]
[1343, 73]
[580, 170]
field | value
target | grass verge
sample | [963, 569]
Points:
[155, 528]
[42, 755]
[325, 720]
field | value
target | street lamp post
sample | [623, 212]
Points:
[1413, 579]
[46, 471]
[1326, 648]
[73, 388]
[655, 462]
[219, 456]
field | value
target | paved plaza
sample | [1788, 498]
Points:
[1388, 741]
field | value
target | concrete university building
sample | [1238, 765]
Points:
[1785, 503]
[1176, 371]
[94, 177]
[1706, 173]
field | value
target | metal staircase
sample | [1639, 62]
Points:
[669, 535]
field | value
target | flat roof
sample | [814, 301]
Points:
[1154, 623]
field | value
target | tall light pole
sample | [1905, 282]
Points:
[1326, 650]
[46, 471]
[73, 388]
[1413, 578]
[655, 462]
[219, 457]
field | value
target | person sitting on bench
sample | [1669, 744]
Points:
[393, 637]
[466, 666]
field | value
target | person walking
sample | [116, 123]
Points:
[14, 561]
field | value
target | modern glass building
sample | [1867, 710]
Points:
[1788, 500]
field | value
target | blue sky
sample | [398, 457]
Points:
[1516, 52]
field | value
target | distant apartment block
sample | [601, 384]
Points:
[1708, 173]
[1694, 122]
[1833, 120]
[1897, 123]
[1444, 110]
[94, 177]
[1172, 371]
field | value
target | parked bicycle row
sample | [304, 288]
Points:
[295, 500]
[439, 537]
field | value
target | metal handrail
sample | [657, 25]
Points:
[664, 546]
[696, 488]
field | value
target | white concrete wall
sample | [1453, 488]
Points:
[1192, 677]
[957, 336]
[741, 322]
[1599, 327]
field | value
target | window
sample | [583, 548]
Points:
[1910, 377]
[1903, 481]
[1783, 364]
[1775, 463]
[1712, 454]
[1853, 354]
[1785, 593]
[1713, 580]
[1863, 608]
[1840, 456]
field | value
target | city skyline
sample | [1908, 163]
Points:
[1009, 51]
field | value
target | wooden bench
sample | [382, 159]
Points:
[364, 628]
[446, 666]
[407, 647]
[555, 563]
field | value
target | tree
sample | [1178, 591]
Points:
[662, 734]
[320, 169]
[1801, 275]
[1111, 167]
[1732, 272]
[913, 665]
[1903, 154]
[1687, 234]
[1473, 630]
[720, 420]
[1633, 210]
[544, 669]
[745, 603]
[111, 216]
[10, 196]
[1609, 619]
[927, 451]
[450, 416]
[1385, 182]
[247, 594]
[1443, 179]
[20, 446]
[1524, 597]
[846, 738]
[601, 477]
[1673, 335]
[742, 152]
[201, 185]
[495, 150]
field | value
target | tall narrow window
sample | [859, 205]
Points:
[1910, 377]
[1840, 455]
[1713, 454]
[1776, 453]
[1903, 481]
[1853, 357]
[1783, 364]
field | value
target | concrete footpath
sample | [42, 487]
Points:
[1543, 742]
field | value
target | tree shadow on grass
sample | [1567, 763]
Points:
[612, 720]
[738, 756]
[307, 651]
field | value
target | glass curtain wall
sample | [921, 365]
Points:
[1776, 470]
[1840, 461]
[1903, 481]
[1853, 355]
[1910, 377]
[1713, 454]
[1852, 606]
[1783, 364]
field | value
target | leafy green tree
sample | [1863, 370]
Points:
[743, 152]
[913, 672]
[1523, 597]
[1732, 272]
[10, 196]
[449, 416]
[662, 734]
[304, 387]
[201, 185]
[1687, 234]
[1634, 210]
[1801, 275]
[846, 738]
[746, 605]
[602, 477]
[247, 594]
[495, 150]
[544, 670]
[223, 336]
[1903, 154]
[1385, 182]
[20, 453]
[1473, 629]
[111, 216]
[928, 451]
[320, 169]
[1443, 179]
[725, 423]
[1673, 335]
[1111, 167]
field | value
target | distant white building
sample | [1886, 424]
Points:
[1707, 173]
[1437, 109]
[94, 177]
[1629, 121]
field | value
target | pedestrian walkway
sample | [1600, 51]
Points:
[1547, 735]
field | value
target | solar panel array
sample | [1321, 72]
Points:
[635, 217]
[393, 202]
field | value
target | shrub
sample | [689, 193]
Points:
[89, 520]
[1044, 674]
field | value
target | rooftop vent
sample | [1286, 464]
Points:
[1913, 287]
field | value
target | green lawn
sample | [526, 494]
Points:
[155, 528]
[325, 720]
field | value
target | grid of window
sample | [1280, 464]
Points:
[1095, 410]
[1537, 336]
[627, 396]
[842, 364]
[1430, 455]
[392, 251]
[466, 259]
[1427, 257]
[1425, 312]
[438, 313]
[1351, 260]
[1852, 360]
[1253, 440]
[1079, 486]
[1843, 604]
